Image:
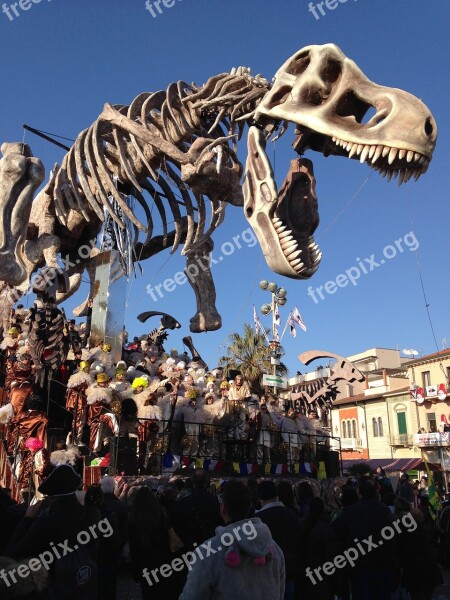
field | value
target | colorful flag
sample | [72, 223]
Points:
[297, 318]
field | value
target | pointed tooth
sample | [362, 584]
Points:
[280, 229]
[418, 157]
[378, 151]
[401, 177]
[409, 156]
[389, 175]
[353, 151]
[392, 155]
[334, 139]
[386, 151]
[285, 234]
[417, 174]
[421, 160]
[401, 154]
[299, 267]
[276, 220]
[360, 147]
[349, 146]
[396, 172]
[371, 151]
[296, 262]
[288, 247]
[383, 172]
[294, 255]
[408, 175]
[364, 154]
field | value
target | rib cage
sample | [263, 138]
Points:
[108, 162]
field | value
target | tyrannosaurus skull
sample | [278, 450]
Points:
[328, 97]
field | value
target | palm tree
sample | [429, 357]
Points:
[249, 354]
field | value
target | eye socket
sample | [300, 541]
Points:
[280, 96]
[299, 64]
[332, 71]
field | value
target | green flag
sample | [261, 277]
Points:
[434, 503]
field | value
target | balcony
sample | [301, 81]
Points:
[351, 444]
[403, 439]
[424, 440]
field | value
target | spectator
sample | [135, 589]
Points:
[322, 546]
[199, 512]
[375, 574]
[405, 489]
[109, 547]
[304, 495]
[150, 545]
[251, 567]
[285, 529]
[114, 506]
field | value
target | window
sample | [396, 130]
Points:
[344, 429]
[354, 429]
[401, 421]
[380, 426]
[448, 379]
[432, 425]
[375, 427]
[426, 379]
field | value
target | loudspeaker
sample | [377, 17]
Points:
[332, 462]
[123, 455]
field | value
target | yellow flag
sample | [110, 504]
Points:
[321, 472]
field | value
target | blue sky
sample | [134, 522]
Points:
[62, 60]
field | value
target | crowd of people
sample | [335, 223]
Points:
[168, 402]
[192, 539]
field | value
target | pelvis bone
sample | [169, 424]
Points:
[20, 176]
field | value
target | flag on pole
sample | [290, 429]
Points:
[258, 326]
[292, 326]
[434, 503]
[297, 318]
[276, 337]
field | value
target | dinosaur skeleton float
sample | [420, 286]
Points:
[171, 149]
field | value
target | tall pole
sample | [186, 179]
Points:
[278, 299]
[274, 366]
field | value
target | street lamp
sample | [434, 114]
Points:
[279, 298]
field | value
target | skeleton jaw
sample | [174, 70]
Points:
[283, 222]
[327, 96]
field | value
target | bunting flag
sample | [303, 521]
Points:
[267, 469]
[434, 502]
[276, 337]
[297, 318]
[258, 326]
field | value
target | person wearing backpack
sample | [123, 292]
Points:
[63, 529]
